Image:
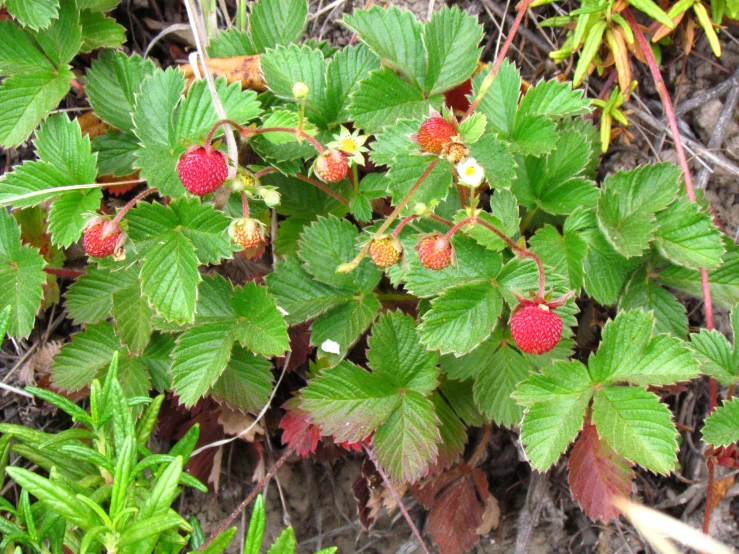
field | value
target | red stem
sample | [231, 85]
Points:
[682, 159]
[265, 171]
[246, 132]
[403, 223]
[221, 123]
[399, 502]
[240, 508]
[501, 56]
[63, 272]
[132, 203]
[245, 204]
[441, 220]
[522, 252]
[323, 187]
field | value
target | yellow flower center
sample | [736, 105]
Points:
[470, 171]
[348, 145]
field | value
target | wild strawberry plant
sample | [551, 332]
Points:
[459, 244]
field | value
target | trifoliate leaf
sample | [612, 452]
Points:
[336, 331]
[275, 22]
[408, 169]
[452, 431]
[495, 383]
[99, 31]
[556, 401]
[116, 153]
[472, 128]
[500, 102]
[643, 292]
[21, 277]
[157, 359]
[533, 135]
[393, 141]
[79, 361]
[687, 236]
[112, 83]
[246, 383]
[345, 70]
[383, 98]
[722, 426]
[90, 298]
[451, 38]
[624, 340]
[260, 326]
[554, 99]
[132, 316]
[230, 43]
[395, 36]
[637, 425]
[713, 351]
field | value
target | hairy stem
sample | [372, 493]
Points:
[475, 459]
[266, 171]
[683, 161]
[245, 204]
[219, 124]
[246, 132]
[403, 222]
[323, 187]
[132, 203]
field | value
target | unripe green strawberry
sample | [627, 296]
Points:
[385, 251]
[103, 238]
[435, 251]
[435, 133]
[247, 233]
[202, 169]
[535, 327]
[331, 166]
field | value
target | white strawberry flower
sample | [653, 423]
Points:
[470, 173]
[351, 144]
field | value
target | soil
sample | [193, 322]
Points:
[317, 499]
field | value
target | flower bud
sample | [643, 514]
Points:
[300, 90]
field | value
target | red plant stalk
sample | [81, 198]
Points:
[682, 159]
[245, 204]
[132, 203]
[247, 132]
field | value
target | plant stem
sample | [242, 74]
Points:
[522, 252]
[246, 132]
[245, 204]
[399, 502]
[499, 60]
[403, 222]
[354, 177]
[441, 220]
[323, 187]
[240, 508]
[221, 123]
[266, 171]
[132, 203]
[683, 161]
[475, 459]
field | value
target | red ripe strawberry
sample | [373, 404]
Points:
[104, 238]
[535, 327]
[202, 169]
[385, 251]
[435, 251]
[435, 133]
[247, 233]
[331, 166]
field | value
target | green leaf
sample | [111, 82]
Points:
[21, 278]
[623, 342]
[643, 292]
[606, 271]
[637, 426]
[257, 523]
[99, 31]
[200, 357]
[330, 242]
[18, 53]
[4, 320]
[496, 159]
[285, 543]
[556, 400]
[246, 383]
[461, 318]
[275, 22]
[472, 128]
[230, 43]
[285, 146]
[33, 13]
[395, 36]
[408, 169]
[157, 359]
[154, 527]
[722, 426]
[112, 83]
[654, 11]
[132, 316]
[504, 216]
[452, 431]
[283, 67]
[556, 184]
[79, 361]
[66, 219]
[687, 236]
[564, 253]
[533, 135]
[393, 141]
[713, 351]
[459, 396]
[62, 39]
[495, 383]
[395, 354]
[554, 99]
[340, 327]
[405, 444]
[170, 277]
[27, 99]
[451, 38]
[90, 298]
[383, 98]
[345, 70]
[260, 325]
[500, 102]
[116, 153]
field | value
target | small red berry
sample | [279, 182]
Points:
[247, 233]
[385, 251]
[104, 238]
[535, 327]
[202, 169]
[435, 133]
[331, 166]
[435, 251]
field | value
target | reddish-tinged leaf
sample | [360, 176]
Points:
[294, 424]
[455, 518]
[371, 494]
[300, 347]
[598, 474]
